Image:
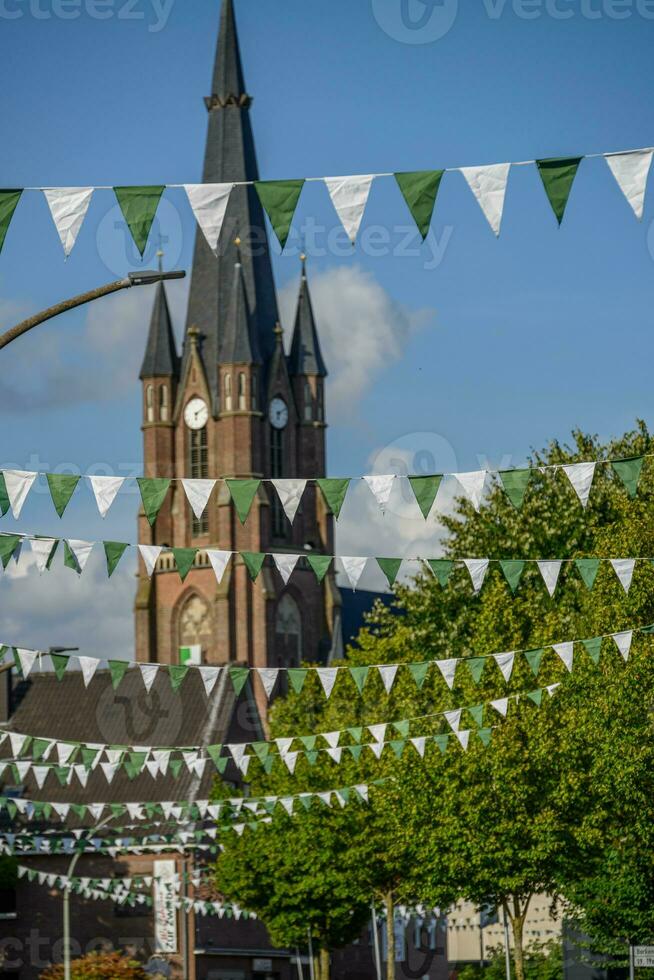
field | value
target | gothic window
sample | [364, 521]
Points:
[199, 470]
[288, 632]
[195, 623]
[320, 413]
[242, 404]
[228, 393]
[277, 471]
[308, 402]
[163, 403]
[253, 389]
[149, 403]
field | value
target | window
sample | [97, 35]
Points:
[320, 413]
[253, 389]
[163, 403]
[288, 632]
[242, 405]
[308, 402]
[199, 470]
[228, 393]
[149, 403]
[277, 470]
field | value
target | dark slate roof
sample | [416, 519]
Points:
[238, 343]
[305, 356]
[160, 360]
[230, 156]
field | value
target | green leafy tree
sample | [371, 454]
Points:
[543, 961]
[99, 966]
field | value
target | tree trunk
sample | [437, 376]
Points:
[324, 964]
[517, 925]
[390, 936]
[316, 968]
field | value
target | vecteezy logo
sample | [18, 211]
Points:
[415, 21]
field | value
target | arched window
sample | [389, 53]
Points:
[228, 393]
[320, 402]
[199, 470]
[163, 403]
[308, 402]
[253, 389]
[242, 404]
[149, 403]
[288, 632]
[195, 623]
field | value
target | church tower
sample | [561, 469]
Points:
[235, 406]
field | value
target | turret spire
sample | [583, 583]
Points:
[160, 360]
[306, 356]
[238, 344]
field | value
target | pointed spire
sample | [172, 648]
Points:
[228, 84]
[306, 356]
[160, 360]
[239, 340]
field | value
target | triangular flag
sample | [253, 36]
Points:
[334, 492]
[387, 673]
[488, 184]
[380, 487]
[177, 674]
[533, 658]
[8, 201]
[631, 171]
[425, 489]
[581, 477]
[550, 571]
[117, 670]
[279, 199]
[139, 206]
[253, 561]
[153, 494]
[209, 677]
[477, 568]
[419, 672]
[327, 677]
[565, 651]
[464, 738]
[290, 495]
[219, 562]
[285, 565]
[150, 553]
[624, 569]
[472, 485]
[453, 718]
[59, 664]
[359, 675]
[105, 489]
[623, 642]
[419, 189]
[17, 482]
[588, 569]
[209, 204]
[390, 567]
[349, 196]
[184, 559]
[476, 667]
[243, 493]
[319, 564]
[593, 648]
[80, 551]
[43, 551]
[268, 677]
[536, 697]
[515, 483]
[442, 569]
[353, 568]
[239, 677]
[68, 207]
[198, 493]
[501, 706]
[88, 666]
[419, 745]
[557, 176]
[148, 675]
[114, 551]
[505, 662]
[26, 660]
[447, 669]
[4, 496]
[512, 570]
[297, 676]
[629, 471]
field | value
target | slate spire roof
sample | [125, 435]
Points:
[306, 356]
[238, 342]
[160, 360]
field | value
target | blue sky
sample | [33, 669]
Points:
[465, 352]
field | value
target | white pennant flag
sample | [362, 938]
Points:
[219, 562]
[380, 487]
[550, 571]
[268, 677]
[109, 769]
[244, 764]
[505, 662]
[41, 548]
[150, 553]
[472, 485]
[447, 669]
[453, 718]
[290, 495]
[566, 652]
[631, 171]
[284, 744]
[26, 658]
[40, 774]
[290, 759]
[624, 569]
[349, 196]
[387, 674]
[419, 745]
[581, 477]
[285, 565]
[64, 752]
[209, 677]
[209, 203]
[88, 666]
[148, 675]
[18, 484]
[377, 748]
[501, 705]
[81, 551]
[332, 738]
[327, 677]
[198, 493]
[353, 568]
[623, 642]
[17, 741]
[237, 751]
[335, 754]
[477, 568]
[68, 207]
[488, 184]
[464, 738]
[378, 732]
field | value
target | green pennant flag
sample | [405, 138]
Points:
[253, 561]
[419, 672]
[476, 667]
[390, 567]
[279, 198]
[536, 697]
[557, 176]
[398, 747]
[153, 494]
[355, 751]
[442, 569]
[184, 558]
[177, 673]
[8, 544]
[221, 764]
[59, 662]
[61, 772]
[355, 733]
[117, 669]
[308, 741]
[533, 658]
[176, 767]
[113, 552]
[588, 569]
[512, 572]
[70, 559]
[425, 489]
[8, 201]
[593, 648]
[89, 756]
[261, 750]
[267, 765]
[359, 675]
[239, 678]
[312, 758]
[515, 483]
[629, 471]
[441, 742]
[477, 714]
[39, 745]
[297, 676]
[62, 486]
[139, 206]
[320, 565]
[243, 493]
[215, 753]
[419, 189]
[334, 492]
[402, 728]
[485, 735]
[4, 496]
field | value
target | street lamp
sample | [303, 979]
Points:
[146, 278]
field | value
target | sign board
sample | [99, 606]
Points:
[643, 955]
[165, 913]
[190, 655]
[261, 966]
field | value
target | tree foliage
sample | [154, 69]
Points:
[99, 966]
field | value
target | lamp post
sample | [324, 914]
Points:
[131, 279]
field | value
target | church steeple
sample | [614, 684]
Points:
[160, 359]
[238, 343]
[230, 156]
[306, 356]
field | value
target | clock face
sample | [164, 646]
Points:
[196, 413]
[278, 413]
